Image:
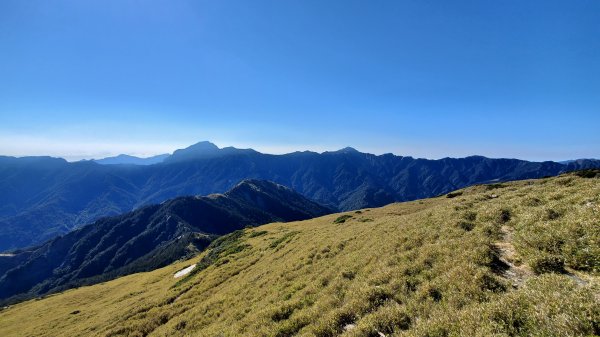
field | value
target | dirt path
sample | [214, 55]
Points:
[515, 272]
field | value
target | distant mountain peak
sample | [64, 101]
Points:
[347, 149]
[203, 150]
[202, 146]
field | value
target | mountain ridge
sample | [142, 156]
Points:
[150, 237]
[44, 197]
[125, 159]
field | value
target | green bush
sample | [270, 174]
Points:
[494, 186]
[285, 238]
[552, 214]
[349, 274]
[254, 234]
[504, 216]
[470, 216]
[454, 194]
[467, 226]
[548, 263]
[593, 173]
[282, 313]
[342, 218]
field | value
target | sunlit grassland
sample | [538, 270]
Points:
[513, 259]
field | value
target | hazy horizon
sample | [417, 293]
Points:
[423, 79]
[169, 149]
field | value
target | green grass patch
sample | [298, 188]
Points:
[342, 218]
[283, 239]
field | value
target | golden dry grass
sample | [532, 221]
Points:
[434, 267]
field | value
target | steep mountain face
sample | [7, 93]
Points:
[148, 238]
[44, 197]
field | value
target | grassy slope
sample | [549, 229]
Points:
[481, 263]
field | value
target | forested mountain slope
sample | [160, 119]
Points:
[42, 197]
[148, 238]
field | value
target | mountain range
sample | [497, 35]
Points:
[124, 159]
[503, 259]
[42, 197]
[148, 238]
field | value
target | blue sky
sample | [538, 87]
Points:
[514, 78]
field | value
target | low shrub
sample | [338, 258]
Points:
[349, 274]
[254, 234]
[342, 218]
[548, 263]
[467, 226]
[592, 173]
[282, 313]
[470, 216]
[454, 194]
[504, 216]
[285, 238]
[552, 214]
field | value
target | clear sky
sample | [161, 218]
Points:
[431, 79]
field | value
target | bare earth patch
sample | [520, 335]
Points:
[516, 272]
